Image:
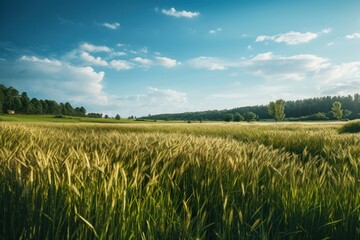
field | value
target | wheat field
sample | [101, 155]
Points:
[178, 181]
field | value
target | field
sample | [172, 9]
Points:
[178, 181]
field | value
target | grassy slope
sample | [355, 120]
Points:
[178, 181]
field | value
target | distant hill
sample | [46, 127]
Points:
[306, 109]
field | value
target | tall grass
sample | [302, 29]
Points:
[72, 181]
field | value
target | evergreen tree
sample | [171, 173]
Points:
[25, 101]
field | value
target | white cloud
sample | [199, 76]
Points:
[93, 48]
[353, 36]
[59, 80]
[120, 65]
[112, 26]
[209, 63]
[40, 60]
[143, 61]
[167, 62]
[118, 54]
[343, 72]
[343, 89]
[267, 65]
[290, 38]
[93, 60]
[154, 101]
[326, 30]
[295, 67]
[213, 31]
[173, 12]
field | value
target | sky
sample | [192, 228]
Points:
[140, 57]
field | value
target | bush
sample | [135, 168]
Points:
[350, 127]
[228, 117]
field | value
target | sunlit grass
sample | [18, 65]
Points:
[178, 181]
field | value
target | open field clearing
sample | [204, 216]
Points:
[178, 181]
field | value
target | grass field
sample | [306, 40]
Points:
[63, 119]
[178, 181]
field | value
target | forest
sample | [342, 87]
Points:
[300, 110]
[11, 99]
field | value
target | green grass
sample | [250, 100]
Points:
[178, 181]
[350, 127]
[64, 119]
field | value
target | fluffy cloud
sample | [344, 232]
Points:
[167, 62]
[213, 31]
[173, 12]
[118, 54]
[143, 61]
[209, 63]
[120, 65]
[290, 38]
[112, 26]
[57, 80]
[344, 71]
[45, 61]
[295, 67]
[353, 36]
[155, 100]
[343, 89]
[267, 65]
[88, 47]
[93, 60]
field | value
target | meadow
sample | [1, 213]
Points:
[178, 181]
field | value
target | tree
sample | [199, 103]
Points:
[106, 116]
[277, 110]
[117, 117]
[249, 116]
[238, 117]
[25, 101]
[347, 113]
[337, 110]
[228, 117]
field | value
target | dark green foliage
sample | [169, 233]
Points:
[293, 109]
[11, 100]
[117, 117]
[277, 110]
[228, 117]
[320, 116]
[249, 116]
[350, 127]
[238, 117]
[94, 115]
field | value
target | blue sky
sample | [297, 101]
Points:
[146, 57]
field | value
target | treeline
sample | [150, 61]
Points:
[299, 110]
[12, 100]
